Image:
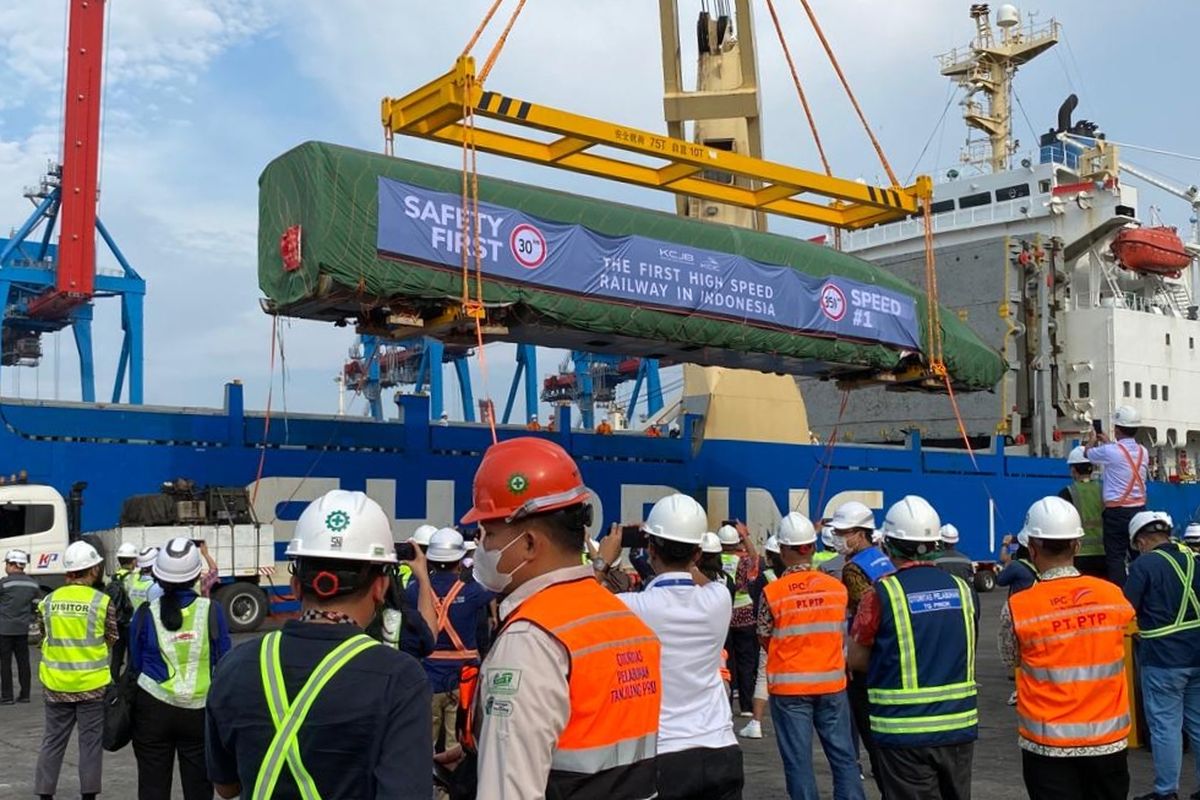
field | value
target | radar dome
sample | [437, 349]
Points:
[1007, 16]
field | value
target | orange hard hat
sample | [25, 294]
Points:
[521, 476]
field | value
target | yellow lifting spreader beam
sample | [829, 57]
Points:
[435, 111]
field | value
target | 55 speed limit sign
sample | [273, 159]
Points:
[528, 246]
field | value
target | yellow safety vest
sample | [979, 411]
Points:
[186, 655]
[729, 563]
[1184, 621]
[137, 586]
[288, 717]
[74, 652]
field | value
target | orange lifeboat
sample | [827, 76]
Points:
[1158, 250]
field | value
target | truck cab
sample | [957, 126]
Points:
[33, 518]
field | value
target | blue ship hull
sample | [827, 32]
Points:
[422, 472]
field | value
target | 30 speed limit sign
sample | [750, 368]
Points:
[528, 246]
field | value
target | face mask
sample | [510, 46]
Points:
[487, 566]
[839, 544]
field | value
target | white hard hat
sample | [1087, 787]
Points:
[877, 537]
[343, 525]
[827, 538]
[146, 557]
[852, 514]
[677, 518]
[178, 561]
[728, 535]
[127, 550]
[1023, 538]
[469, 545]
[949, 534]
[80, 556]
[1127, 417]
[772, 545]
[1052, 518]
[1078, 455]
[795, 529]
[1192, 532]
[709, 543]
[1155, 521]
[912, 519]
[446, 546]
[423, 534]
[16, 557]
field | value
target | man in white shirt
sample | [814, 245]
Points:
[698, 755]
[1126, 469]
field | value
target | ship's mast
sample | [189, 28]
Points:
[985, 69]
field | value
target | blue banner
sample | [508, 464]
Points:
[425, 225]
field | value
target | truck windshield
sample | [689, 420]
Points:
[19, 519]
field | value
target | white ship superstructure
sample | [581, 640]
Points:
[1025, 254]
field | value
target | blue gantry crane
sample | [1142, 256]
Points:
[592, 381]
[47, 287]
[376, 364]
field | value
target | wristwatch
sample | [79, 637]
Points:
[599, 564]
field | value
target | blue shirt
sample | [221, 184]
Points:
[144, 654]
[465, 611]
[1017, 576]
[1155, 592]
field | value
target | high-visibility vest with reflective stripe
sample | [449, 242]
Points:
[185, 653]
[805, 652]
[1086, 497]
[1071, 689]
[74, 652]
[729, 563]
[1188, 617]
[289, 715]
[770, 575]
[921, 681]
[137, 586]
[821, 556]
[608, 747]
[874, 564]
[457, 651]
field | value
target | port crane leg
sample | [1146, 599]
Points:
[587, 391]
[654, 398]
[463, 370]
[527, 371]
[4, 288]
[373, 390]
[81, 326]
[431, 362]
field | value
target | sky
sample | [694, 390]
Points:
[202, 94]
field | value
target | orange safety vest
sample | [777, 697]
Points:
[442, 607]
[805, 653]
[614, 684]
[1071, 689]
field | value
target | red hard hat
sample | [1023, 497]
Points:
[526, 475]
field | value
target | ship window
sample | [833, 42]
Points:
[1085, 390]
[1191, 343]
[1125, 386]
[1137, 390]
[1044, 186]
[1166, 395]
[1168, 340]
[25, 519]
[1012, 192]
[974, 200]
[1153, 391]
[941, 207]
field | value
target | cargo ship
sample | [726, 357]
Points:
[1068, 306]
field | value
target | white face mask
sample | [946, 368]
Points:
[487, 566]
[839, 543]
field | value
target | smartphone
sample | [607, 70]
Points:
[1098, 425]
[633, 536]
[406, 551]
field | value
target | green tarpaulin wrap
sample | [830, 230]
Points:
[330, 192]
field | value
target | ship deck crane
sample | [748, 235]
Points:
[46, 287]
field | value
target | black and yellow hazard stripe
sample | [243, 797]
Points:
[496, 103]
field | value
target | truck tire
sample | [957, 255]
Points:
[245, 606]
[985, 581]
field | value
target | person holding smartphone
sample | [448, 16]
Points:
[1126, 470]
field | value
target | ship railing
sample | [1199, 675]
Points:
[1004, 211]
